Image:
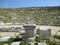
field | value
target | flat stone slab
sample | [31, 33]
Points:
[41, 43]
[4, 38]
[15, 43]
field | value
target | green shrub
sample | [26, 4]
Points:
[24, 43]
[51, 43]
[57, 37]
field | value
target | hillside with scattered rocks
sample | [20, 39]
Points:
[37, 15]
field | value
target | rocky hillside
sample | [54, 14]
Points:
[38, 15]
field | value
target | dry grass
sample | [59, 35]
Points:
[8, 33]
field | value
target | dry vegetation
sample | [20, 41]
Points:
[39, 15]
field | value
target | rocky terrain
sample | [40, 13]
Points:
[37, 15]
